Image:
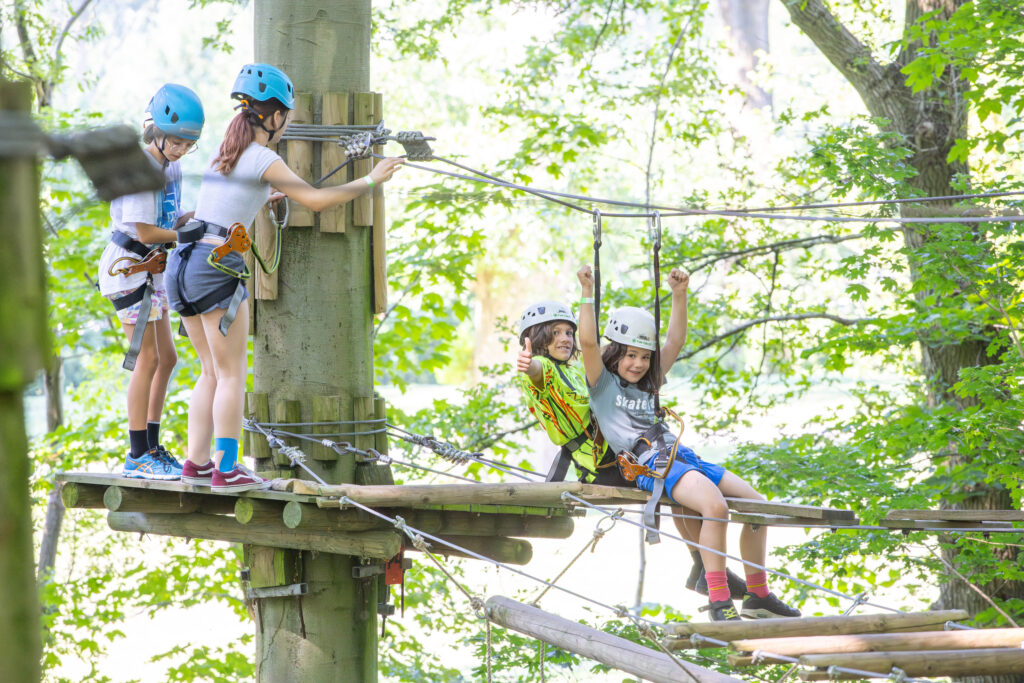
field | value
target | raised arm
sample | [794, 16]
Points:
[320, 198]
[590, 344]
[678, 281]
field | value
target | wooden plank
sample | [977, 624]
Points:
[287, 410]
[884, 642]
[265, 239]
[256, 445]
[788, 509]
[380, 545]
[959, 515]
[784, 520]
[362, 206]
[325, 409]
[940, 524]
[76, 495]
[335, 112]
[380, 412]
[114, 479]
[370, 473]
[378, 238]
[978, 662]
[814, 626]
[610, 650]
[300, 159]
[541, 494]
[497, 548]
[267, 567]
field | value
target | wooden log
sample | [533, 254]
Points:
[105, 479]
[362, 206]
[885, 642]
[959, 515]
[380, 545]
[75, 495]
[300, 159]
[610, 650]
[255, 511]
[325, 409]
[306, 516]
[473, 524]
[541, 494]
[287, 410]
[815, 626]
[118, 499]
[335, 112]
[497, 548]
[378, 238]
[265, 239]
[978, 662]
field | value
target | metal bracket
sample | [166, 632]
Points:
[365, 571]
[385, 609]
[295, 589]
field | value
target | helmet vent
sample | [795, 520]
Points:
[289, 87]
[174, 117]
[260, 74]
[623, 329]
[542, 309]
[167, 109]
[263, 86]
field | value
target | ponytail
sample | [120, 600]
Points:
[240, 134]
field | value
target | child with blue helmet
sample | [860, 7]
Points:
[131, 276]
[623, 378]
[209, 292]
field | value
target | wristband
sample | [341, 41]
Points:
[369, 180]
[586, 300]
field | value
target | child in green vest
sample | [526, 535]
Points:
[556, 393]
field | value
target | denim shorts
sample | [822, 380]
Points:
[189, 277]
[686, 461]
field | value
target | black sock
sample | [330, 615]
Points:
[697, 559]
[153, 434]
[138, 439]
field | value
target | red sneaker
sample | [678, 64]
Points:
[197, 475]
[239, 479]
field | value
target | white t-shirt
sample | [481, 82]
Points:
[238, 196]
[161, 208]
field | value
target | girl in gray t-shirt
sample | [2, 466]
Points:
[623, 381]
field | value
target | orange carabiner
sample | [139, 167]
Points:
[238, 240]
[630, 468]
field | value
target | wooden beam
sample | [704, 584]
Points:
[885, 642]
[473, 524]
[265, 240]
[306, 516]
[114, 479]
[926, 524]
[378, 238]
[362, 114]
[300, 158]
[542, 494]
[123, 499]
[254, 511]
[959, 515]
[979, 662]
[788, 509]
[75, 495]
[760, 519]
[610, 650]
[380, 545]
[335, 112]
[814, 626]
[497, 548]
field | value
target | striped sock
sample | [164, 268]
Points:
[230, 449]
[718, 586]
[757, 583]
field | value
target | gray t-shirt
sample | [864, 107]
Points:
[238, 196]
[623, 410]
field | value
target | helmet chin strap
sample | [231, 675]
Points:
[244, 105]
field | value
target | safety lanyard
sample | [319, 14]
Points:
[655, 233]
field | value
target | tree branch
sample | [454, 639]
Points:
[772, 319]
[783, 245]
[57, 57]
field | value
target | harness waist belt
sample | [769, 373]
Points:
[197, 230]
[126, 241]
[654, 437]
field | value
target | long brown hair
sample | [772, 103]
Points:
[240, 132]
[614, 352]
[543, 334]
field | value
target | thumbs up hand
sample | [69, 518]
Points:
[525, 357]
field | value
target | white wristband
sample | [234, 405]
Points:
[369, 180]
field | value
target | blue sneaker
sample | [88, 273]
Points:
[165, 455]
[149, 465]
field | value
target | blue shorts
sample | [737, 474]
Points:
[686, 461]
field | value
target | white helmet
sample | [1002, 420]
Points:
[632, 326]
[543, 312]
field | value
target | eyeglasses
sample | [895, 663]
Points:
[180, 144]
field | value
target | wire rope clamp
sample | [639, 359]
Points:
[415, 144]
[357, 145]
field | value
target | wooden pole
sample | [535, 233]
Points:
[499, 549]
[23, 340]
[885, 642]
[815, 626]
[315, 339]
[613, 651]
[75, 495]
[380, 545]
[980, 662]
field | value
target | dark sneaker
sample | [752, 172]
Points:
[723, 610]
[197, 475]
[766, 608]
[737, 586]
[239, 479]
[165, 455]
[149, 466]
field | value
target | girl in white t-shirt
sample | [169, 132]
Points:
[131, 276]
[211, 300]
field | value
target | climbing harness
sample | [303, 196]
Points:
[237, 240]
[189, 236]
[152, 261]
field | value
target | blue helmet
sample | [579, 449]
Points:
[176, 110]
[261, 82]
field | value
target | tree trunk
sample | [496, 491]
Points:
[52, 381]
[930, 122]
[314, 340]
[747, 21]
